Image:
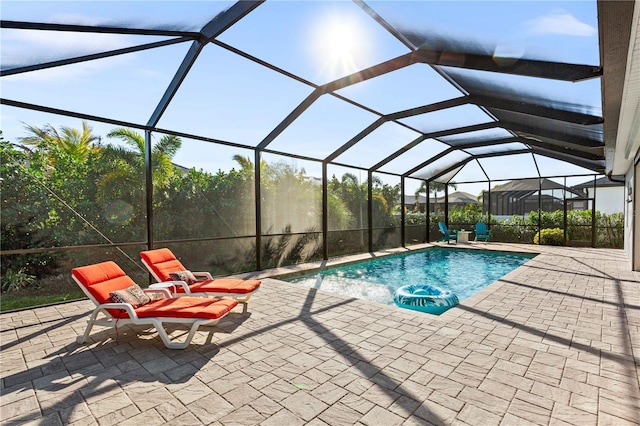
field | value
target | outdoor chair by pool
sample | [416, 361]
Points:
[446, 235]
[482, 233]
[121, 301]
[164, 266]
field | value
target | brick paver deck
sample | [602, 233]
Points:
[556, 341]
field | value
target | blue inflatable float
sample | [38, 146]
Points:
[425, 298]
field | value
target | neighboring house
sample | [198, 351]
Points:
[609, 195]
[520, 197]
[409, 202]
[458, 199]
[183, 170]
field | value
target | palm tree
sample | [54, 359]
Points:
[127, 168]
[247, 165]
[244, 162]
[354, 194]
[435, 187]
[73, 142]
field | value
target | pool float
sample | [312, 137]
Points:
[425, 298]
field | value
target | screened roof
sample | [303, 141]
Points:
[431, 90]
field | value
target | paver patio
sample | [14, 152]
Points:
[556, 341]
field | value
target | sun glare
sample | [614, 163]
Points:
[339, 47]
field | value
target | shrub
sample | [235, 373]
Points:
[550, 237]
[13, 281]
[610, 231]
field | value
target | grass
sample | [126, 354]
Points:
[51, 290]
[10, 302]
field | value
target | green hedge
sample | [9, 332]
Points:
[550, 237]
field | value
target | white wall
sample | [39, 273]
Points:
[609, 199]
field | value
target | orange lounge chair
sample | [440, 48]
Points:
[104, 283]
[162, 263]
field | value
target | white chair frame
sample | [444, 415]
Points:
[156, 322]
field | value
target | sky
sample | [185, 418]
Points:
[230, 98]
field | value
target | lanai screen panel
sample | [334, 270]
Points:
[165, 15]
[134, 82]
[348, 220]
[509, 167]
[476, 137]
[232, 98]
[584, 182]
[441, 165]
[552, 167]
[494, 149]
[581, 96]
[317, 41]
[591, 132]
[507, 29]
[377, 145]
[471, 172]
[414, 156]
[291, 198]
[450, 118]
[386, 222]
[348, 187]
[220, 196]
[446, 177]
[125, 87]
[411, 185]
[409, 87]
[322, 128]
[48, 46]
[100, 203]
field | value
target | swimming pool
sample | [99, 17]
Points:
[464, 272]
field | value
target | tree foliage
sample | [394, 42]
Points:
[435, 187]
[60, 189]
[76, 143]
[55, 194]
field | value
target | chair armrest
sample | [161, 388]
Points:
[173, 285]
[205, 275]
[158, 290]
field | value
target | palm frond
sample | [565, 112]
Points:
[130, 137]
[168, 145]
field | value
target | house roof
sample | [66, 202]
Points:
[411, 199]
[527, 185]
[523, 187]
[458, 197]
[600, 182]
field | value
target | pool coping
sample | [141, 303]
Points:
[336, 264]
[290, 271]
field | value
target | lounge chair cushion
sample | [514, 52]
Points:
[163, 262]
[187, 307]
[186, 276]
[103, 280]
[225, 285]
[132, 295]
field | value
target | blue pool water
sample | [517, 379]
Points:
[464, 272]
